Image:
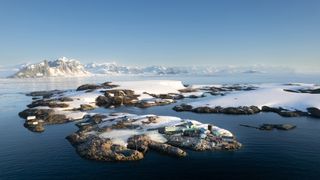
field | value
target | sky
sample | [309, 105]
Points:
[163, 32]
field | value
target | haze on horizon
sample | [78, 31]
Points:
[167, 32]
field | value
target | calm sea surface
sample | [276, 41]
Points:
[265, 154]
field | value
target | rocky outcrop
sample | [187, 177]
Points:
[218, 109]
[95, 148]
[47, 115]
[91, 87]
[277, 126]
[182, 107]
[86, 107]
[45, 94]
[117, 98]
[284, 112]
[198, 144]
[142, 143]
[167, 149]
[314, 112]
[48, 102]
[310, 91]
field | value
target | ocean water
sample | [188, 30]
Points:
[264, 155]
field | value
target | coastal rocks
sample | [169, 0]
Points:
[91, 87]
[117, 97]
[210, 143]
[248, 110]
[156, 102]
[103, 101]
[269, 127]
[284, 112]
[142, 143]
[223, 89]
[45, 94]
[139, 142]
[65, 99]
[100, 149]
[182, 107]
[314, 112]
[49, 103]
[47, 115]
[310, 91]
[277, 126]
[167, 149]
[86, 107]
[34, 125]
[218, 109]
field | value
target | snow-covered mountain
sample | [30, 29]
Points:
[59, 67]
[70, 67]
[114, 69]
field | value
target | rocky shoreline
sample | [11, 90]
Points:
[247, 110]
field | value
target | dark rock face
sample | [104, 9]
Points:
[314, 112]
[277, 126]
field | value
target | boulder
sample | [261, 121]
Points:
[103, 101]
[86, 107]
[109, 85]
[276, 126]
[167, 149]
[65, 99]
[45, 94]
[47, 115]
[139, 142]
[182, 107]
[89, 87]
[97, 118]
[314, 112]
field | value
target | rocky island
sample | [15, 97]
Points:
[128, 137]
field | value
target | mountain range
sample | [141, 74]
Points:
[65, 67]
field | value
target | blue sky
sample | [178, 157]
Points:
[163, 32]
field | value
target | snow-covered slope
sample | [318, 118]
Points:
[60, 67]
[271, 95]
